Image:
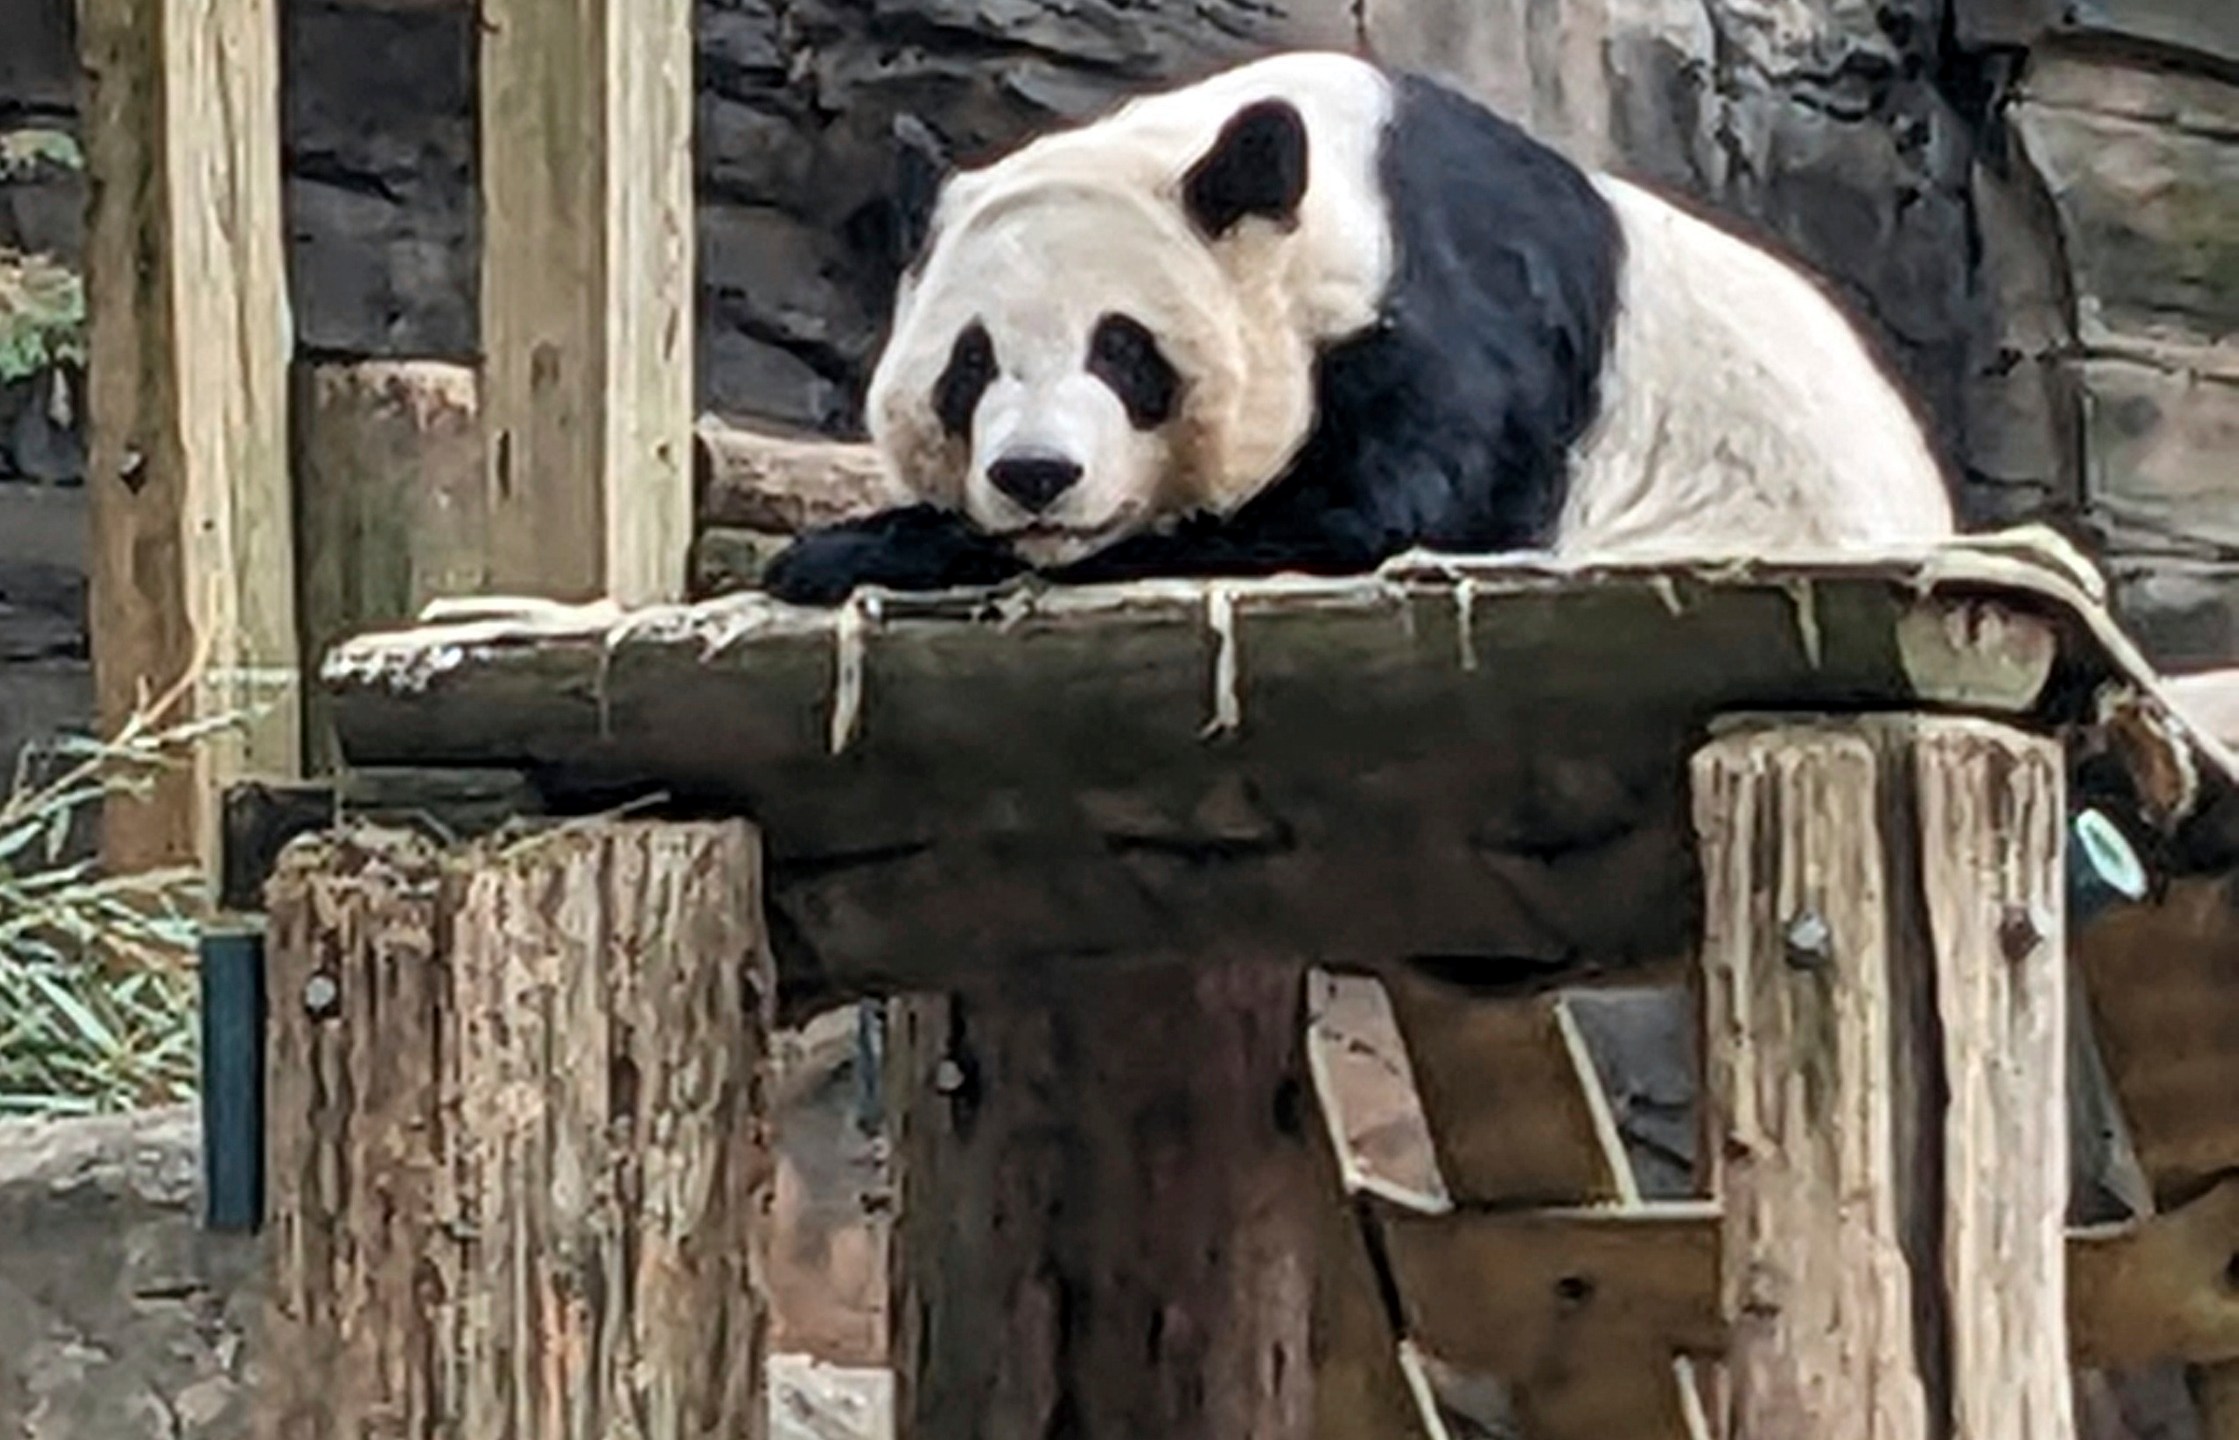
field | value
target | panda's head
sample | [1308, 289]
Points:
[1096, 337]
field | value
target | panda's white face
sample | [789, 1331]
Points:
[1067, 429]
[1116, 326]
[1051, 370]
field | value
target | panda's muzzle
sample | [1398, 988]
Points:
[1035, 481]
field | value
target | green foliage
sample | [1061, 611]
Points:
[42, 315]
[97, 985]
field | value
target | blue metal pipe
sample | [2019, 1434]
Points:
[232, 974]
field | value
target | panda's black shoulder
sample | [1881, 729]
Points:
[1451, 420]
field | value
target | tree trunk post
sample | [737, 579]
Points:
[519, 1138]
[1883, 988]
[1119, 1216]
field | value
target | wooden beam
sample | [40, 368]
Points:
[1582, 1311]
[1503, 1290]
[757, 480]
[193, 560]
[587, 303]
[1515, 1108]
[2160, 1288]
[519, 1135]
[1884, 1050]
[1162, 780]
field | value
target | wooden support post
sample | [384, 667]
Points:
[518, 1143]
[192, 556]
[1119, 1216]
[587, 298]
[1883, 991]
[390, 504]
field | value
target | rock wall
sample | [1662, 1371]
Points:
[120, 1318]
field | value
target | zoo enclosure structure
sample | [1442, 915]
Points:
[1159, 1176]
[1242, 933]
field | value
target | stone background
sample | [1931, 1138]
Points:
[2034, 204]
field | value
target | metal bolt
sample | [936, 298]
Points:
[948, 1077]
[322, 996]
[2019, 933]
[1811, 945]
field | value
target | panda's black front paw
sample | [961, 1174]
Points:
[916, 548]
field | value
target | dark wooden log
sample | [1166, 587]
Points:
[959, 788]
[752, 479]
[1119, 1216]
[518, 1146]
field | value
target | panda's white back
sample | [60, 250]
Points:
[1740, 410]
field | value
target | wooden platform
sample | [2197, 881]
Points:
[1476, 765]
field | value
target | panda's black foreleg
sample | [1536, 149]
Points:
[918, 547]
[1333, 543]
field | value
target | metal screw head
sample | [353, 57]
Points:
[322, 996]
[2019, 934]
[1810, 944]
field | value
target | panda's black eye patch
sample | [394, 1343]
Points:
[970, 370]
[1125, 355]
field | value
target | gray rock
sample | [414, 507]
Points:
[2159, 442]
[2207, 28]
[381, 202]
[43, 211]
[39, 62]
[119, 1315]
[2144, 171]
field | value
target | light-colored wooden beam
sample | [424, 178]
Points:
[587, 305]
[1884, 1050]
[193, 556]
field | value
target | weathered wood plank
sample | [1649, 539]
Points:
[1535, 1295]
[2158, 1288]
[1115, 1213]
[1992, 816]
[1510, 742]
[1845, 950]
[519, 1144]
[193, 559]
[587, 296]
[1510, 1096]
[757, 480]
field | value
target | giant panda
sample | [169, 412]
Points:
[1310, 313]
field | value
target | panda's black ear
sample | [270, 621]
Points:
[921, 164]
[1256, 167]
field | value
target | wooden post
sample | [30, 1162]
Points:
[587, 297]
[1883, 990]
[390, 504]
[519, 1143]
[193, 556]
[1116, 1212]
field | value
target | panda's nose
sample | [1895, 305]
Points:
[1034, 480]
